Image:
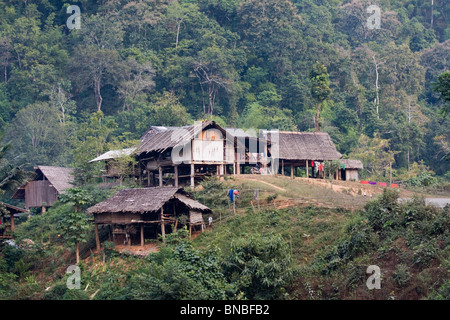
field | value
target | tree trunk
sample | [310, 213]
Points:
[316, 119]
[98, 94]
[77, 252]
[432, 7]
[178, 33]
[377, 101]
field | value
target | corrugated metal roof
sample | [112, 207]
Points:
[113, 154]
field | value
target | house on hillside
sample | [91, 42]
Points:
[137, 214]
[170, 156]
[192, 152]
[305, 149]
[44, 189]
[350, 169]
[111, 170]
[7, 222]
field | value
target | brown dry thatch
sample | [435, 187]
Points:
[12, 209]
[352, 164]
[191, 203]
[160, 139]
[141, 200]
[306, 146]
[59, 177]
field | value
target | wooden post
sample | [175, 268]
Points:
[390, 173]
[190, 230]
[142, 235]
[43, 209]
[148, 178]
[176, 175]
[292, 171]
[282, 167]
[163, 229]
[234, 204]
[97, 238]
[307, 169]
[12, 222]
[192, 175]
[221, 170]
[160, 176]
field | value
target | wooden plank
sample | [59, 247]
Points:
[97, 238]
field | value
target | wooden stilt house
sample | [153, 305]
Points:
[170, 155]
[111, 171]
[136, 214]
[7, 224]
[305, 149]
[44, 189]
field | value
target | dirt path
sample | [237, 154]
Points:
[267, 183]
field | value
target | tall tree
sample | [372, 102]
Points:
[320, 89]
[443, 88]
[75, 224]
[96, 61]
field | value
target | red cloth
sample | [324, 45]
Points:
[364, 182]
[321, 167]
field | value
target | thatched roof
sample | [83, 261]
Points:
[59, 177]
[143, 200]
[352, 164]
[168, 138]
[12, 209]
[191, 203]
[113, 154]
[306, 146]
[160, 139]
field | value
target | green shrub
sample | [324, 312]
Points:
[260, 266]
[187, 274]
[382, 213]
[401, 275]
[109, 249]
[424, 254]
[443, 293]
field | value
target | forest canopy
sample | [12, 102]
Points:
[67, 94]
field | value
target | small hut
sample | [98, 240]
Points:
[44, 189]
[11, 211]
[350, 169]
[305, 149]
[112, 171]
[136, 214]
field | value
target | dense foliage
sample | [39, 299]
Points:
[67, 95]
